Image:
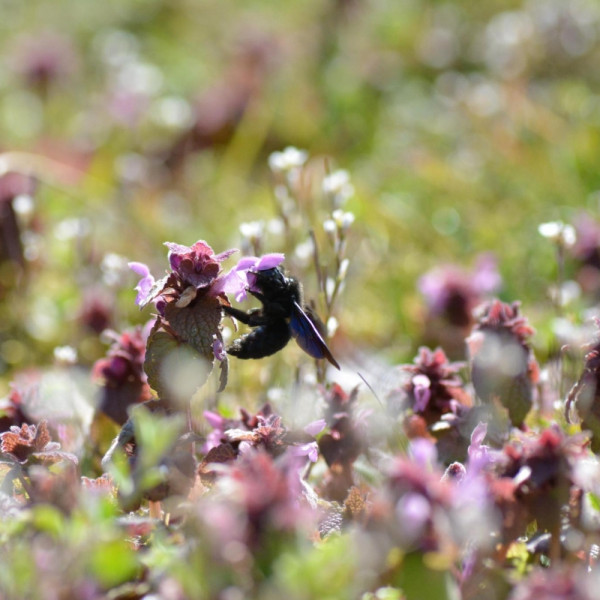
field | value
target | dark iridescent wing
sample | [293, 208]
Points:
[308, 337]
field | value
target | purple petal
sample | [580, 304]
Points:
[413, 510]
[223, 255]
[219, 350]
[315, 427]
[246, 262]
[478, 453]
[264, 263]
[422, 392]
[479, 434]
[145, 284]
[486, 278]
[311, 449]
[215, 420]
[245, 447]
[140, 268]
[176, 253]
[269, 261]
[234, 282]
[423, 452]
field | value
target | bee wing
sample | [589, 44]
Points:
[308, 337]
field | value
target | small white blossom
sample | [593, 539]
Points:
[65, 355]
[276, 395]
[343, 269]
[343, 219]
[558, 232]
[329, 287]
[252, 230]
[329, 226]
[337, 184]
[114, 268]
[304, 251]
[276, 226]
[23, 205]
[288, 159]
[74, 227]
[332, 326]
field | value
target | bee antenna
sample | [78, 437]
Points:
[371, 390]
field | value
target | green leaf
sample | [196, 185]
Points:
[420, 577]
[154, 434]
[223, 374]
[48, 519]
[594, 501]
[197, 324]
[113, 562]
[325, 571]
[175, 370]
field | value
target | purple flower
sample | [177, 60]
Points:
[241, 277]
[145, 284]
[434, 385]
[423, 453]
[310, 449]
[44, 57]
[422, 392]
[251, 264]
[479, 453]
[453, 293]
[315, 427]
[413, 511]
[196, 265]
[219, 349]
[194, 268]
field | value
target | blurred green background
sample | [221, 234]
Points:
[463, 126]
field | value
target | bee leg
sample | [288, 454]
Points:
[253, 317]
[258, 295]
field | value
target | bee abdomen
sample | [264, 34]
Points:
[263, 341]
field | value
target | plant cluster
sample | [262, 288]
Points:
[458, 481]
[147, 451]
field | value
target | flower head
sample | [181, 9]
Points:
[503, 366]
[586, 391]
[44, 58]
[194, 269]
[540, 468]
[288, 159]
[262, 431]
[32, 442]
[145, 284]
[434, 384]
[558, 232]
[196, 265]
[562, 583]
[452, 293]
[121, 374]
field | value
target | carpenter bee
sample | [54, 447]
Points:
[280, 318]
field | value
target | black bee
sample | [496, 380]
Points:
[280, 318]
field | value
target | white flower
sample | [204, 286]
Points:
[337, 184]
[252, 230]
[343, 219]
[332, 326]
[329, 226]
[558, 232]
[288, 159]
[114, 268]
[343, 269]
[304, 251]
[65, 355]
[23, 205]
